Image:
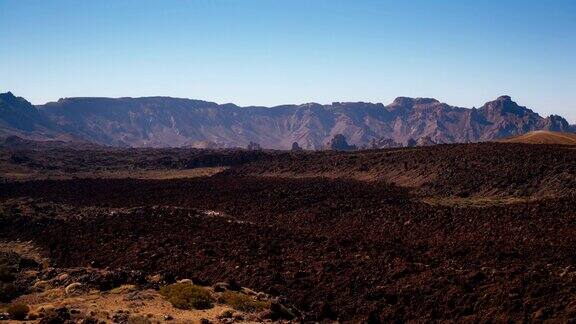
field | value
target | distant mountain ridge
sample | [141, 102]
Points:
[176, 122]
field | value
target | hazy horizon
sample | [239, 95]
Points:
[268, 53]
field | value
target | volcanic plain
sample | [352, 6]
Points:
[465, 232]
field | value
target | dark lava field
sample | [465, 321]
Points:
[467, 233]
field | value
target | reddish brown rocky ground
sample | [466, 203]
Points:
[336, 247]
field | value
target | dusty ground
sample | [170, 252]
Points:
[148, 304]
[87, 293]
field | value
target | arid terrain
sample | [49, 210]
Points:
[462, 232]
[315, 162]
[544, 137]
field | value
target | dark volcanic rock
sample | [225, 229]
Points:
[330, 248]
[296, 147]
[339, 143]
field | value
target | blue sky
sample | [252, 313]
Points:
[258, 52]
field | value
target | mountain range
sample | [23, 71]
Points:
[177, 122]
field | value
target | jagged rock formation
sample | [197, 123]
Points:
[411, 142]
[380, 143]
[253, 146]
[339, 143]
[425, 141]
[20, 117]
[296, 147]
[175, 122]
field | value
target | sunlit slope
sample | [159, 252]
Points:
[544, 137]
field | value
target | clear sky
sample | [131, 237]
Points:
[269, 52]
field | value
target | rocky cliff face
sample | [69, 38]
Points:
[174, 122]
[19, 117]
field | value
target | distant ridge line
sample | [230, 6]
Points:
[178, 122]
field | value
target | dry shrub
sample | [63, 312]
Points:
[123, 289]
[18, 311]
[187, 296]
[243, 303]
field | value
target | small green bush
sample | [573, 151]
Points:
[243, 303]
[18, 311]
[187, 296]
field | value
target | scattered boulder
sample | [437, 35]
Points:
[155, 279]
[248, 291]
[541, 314]
[238, 316]
[262, 296]
[45, 309]
[120, 317]
[74, 288]
[56, 316]
[63, 277]
[221, 286]
[28, 263]
[226, 314]
[89, 320]
[279, 311]
[233, 285]
[41, 285]
[33, 316]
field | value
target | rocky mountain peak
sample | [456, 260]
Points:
[556, 123]
[8, 97]
[505, 105]
[410, 102]
[13, 102]
[504, 98]
[7, 94]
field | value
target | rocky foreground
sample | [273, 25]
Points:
[39, 292]
[472, 233]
